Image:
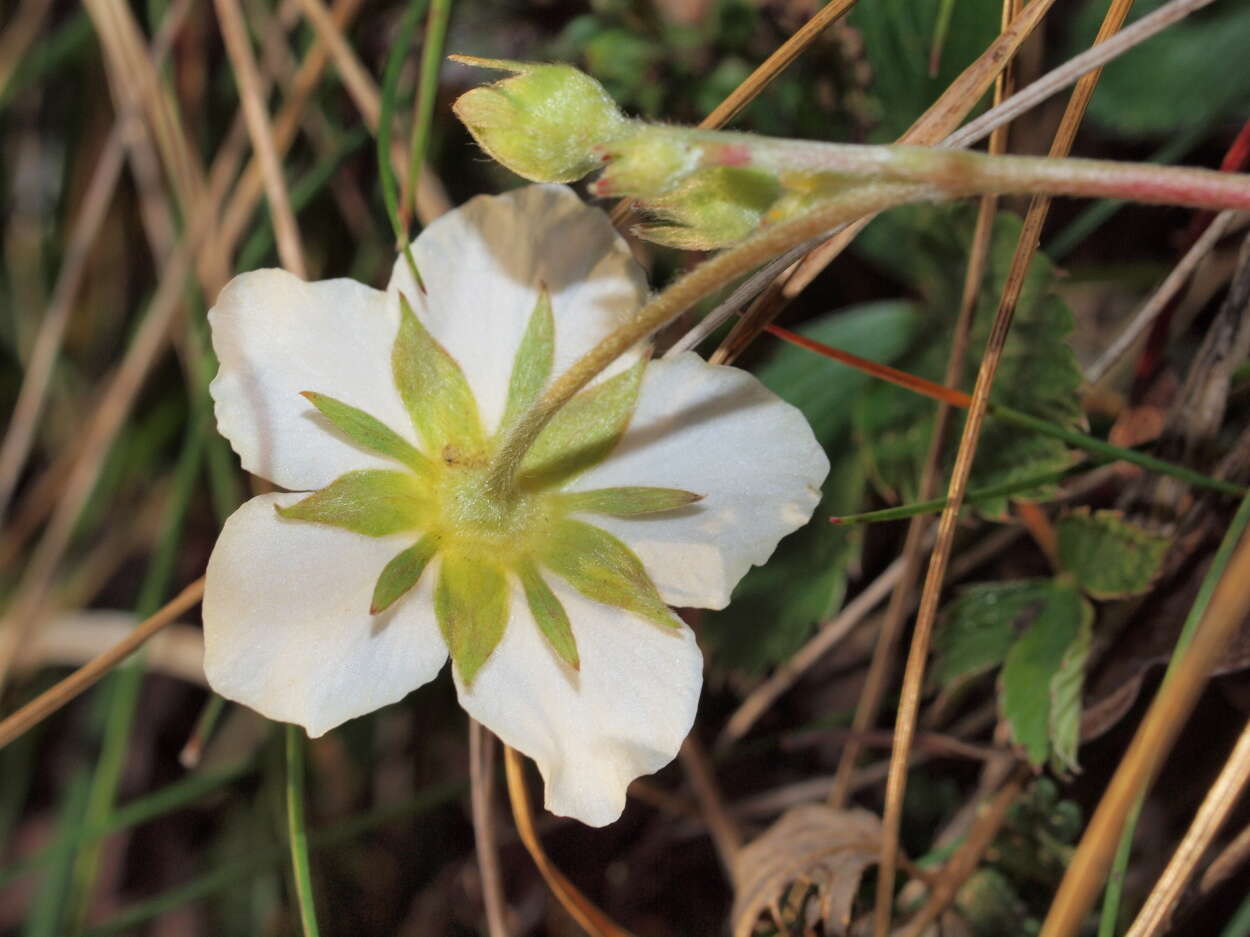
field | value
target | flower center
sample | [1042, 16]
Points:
[474, 515]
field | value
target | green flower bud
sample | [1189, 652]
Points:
[646, 164]
[544, 123]
[713, 208]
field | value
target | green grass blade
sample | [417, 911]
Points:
[427, 88]
[298, 834]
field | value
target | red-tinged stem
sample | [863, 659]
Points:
[801, 164]
[956, 398]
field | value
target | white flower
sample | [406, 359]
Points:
[553, 599]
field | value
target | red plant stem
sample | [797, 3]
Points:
[956, 398]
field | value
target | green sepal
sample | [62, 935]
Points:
[402, 573]
[471, 602]
[584, 431]
[531, 368]
[711, 208]
[602, 568]
[373, 502]
[434, 389]
[369, 432]
[549, 614]
[627, 502]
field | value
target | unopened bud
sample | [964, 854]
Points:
[543, 123]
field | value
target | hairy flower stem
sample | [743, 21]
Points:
[906, 174]
[957, 173]
[700, 282]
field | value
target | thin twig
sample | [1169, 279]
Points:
[1151, 744]
[726, 836]
[52, 699]
[1055, 81]
[481, 797]
[579, 907]
[1216, 806]
[1223, 224]
[918, 653]
[964, 862]
[247, 80]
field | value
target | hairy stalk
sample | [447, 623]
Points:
[680, 296]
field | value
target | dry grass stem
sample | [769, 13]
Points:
[946, 884]
[1055, 81]
[247, 79]
[918, 653]
[579, 907]
[482, 791]
[1221, 797]
[48, 702]
[829, 635]
[20, 33]
[1085, 874]
[1224, 223]
[931, 127]
[726, 836]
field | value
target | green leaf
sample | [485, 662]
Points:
[979, 628]
[434, 389]
[534, 358]
[402, 573]
[372, 502]
[602, 568]
[776, 606]
[369, 432]
[928, 249]
[1033, 663]
[584, 431]
[1180, 79]
[898, 36]
[1110, 558]
[549, 614]
[628, 502]
[471, 602]
[1065, 699]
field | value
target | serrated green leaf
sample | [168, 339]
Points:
[433, 388]
[471, 603]
[627, 502]
[927, 247]
[583, 433]
[369, 432]
[402, 573]
[602, 568]
[979, 627]
[549, 614]
[531, 368]
[1109, 557]
[1065, 697]
[373, 502]
[1031, 666]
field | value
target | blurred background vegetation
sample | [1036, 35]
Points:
[148, 807]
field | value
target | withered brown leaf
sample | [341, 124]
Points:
[809, 847]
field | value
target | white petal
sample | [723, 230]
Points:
[483, 264]
[718, 432]
[277, 336]
[287, 629]
[591, 731]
